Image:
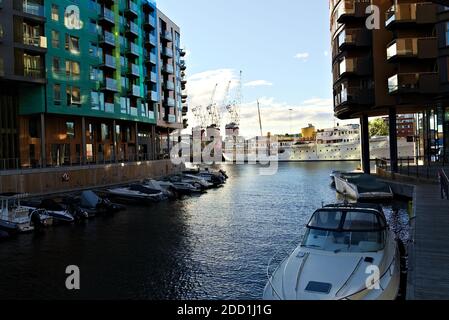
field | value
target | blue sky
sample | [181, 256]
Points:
[261, 38]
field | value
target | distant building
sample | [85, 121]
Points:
[406, 125]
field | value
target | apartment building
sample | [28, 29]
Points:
[88, 81]
[399, 68]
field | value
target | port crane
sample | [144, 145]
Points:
[213, 111]
[233, 108]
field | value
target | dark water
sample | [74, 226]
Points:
[211, 247]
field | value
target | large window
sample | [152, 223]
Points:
[97, 100]
[54, 39]
[105, 134]
[56, 66]
[73, 96]
[72, 68]
[70, 126]
[54, 12]
[57, 94]
[72, 44]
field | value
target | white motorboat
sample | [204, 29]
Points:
[183, 188]
[58, 212]
[17, 218]
[347, 253]
[137, 193]
[362, 187]
[167, 190]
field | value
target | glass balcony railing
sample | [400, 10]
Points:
[154, 96]
[424, 82]
[167, 52]
[33, 73]
[167, 35]
[108, 38]
[110, 61]
[133, 28]
[109, 107]
[168, 68]
[134, 49]
[133, 7]
[150, 20]
[111, 84]
[170, 102]
[108, 15]
[151, 115]
[135, 70]
[35, 41]
[135, 90]
[33, 8]
[153, 58]
[133, 111]
[153, 77]
[169, 85]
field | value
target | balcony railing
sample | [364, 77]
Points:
[424, 82]
[150, 20]
[135, 91]
[153, 77]
[170, 102]
[133, 28]
[167, 52]
[154, 96]
[110, 84]
[110, 61]
[34, 73]
[152, 40]
[413, 47]
[134, 49]
[132, 8]
[135, 70]
[411, 12]
[153, 58]
[108, 16]
[354, 95]
[108, 38]
[40, 42]
[169, 85]
[109, 107]
[351, 8]
[167, 35]
[168, 68]
[33, 8]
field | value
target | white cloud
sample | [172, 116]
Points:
[303, 56]
[258, 83]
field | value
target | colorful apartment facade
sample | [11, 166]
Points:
[88, 82]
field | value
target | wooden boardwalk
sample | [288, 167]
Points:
[428, 277]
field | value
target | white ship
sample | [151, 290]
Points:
[340, 143]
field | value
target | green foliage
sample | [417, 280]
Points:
[378, 127]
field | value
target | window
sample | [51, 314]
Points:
[105, 135]
[57, 94]
[97, 100]
[72, 44]
[54, 39]
[72, 68]
[446, 34]
[33, 128]
[70, 129]
[73, 96]
[54, 12]
[56, 65]
[96, 74]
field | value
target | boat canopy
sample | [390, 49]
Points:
[89, 199]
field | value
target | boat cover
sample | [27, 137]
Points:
[89, 199]
[367, 183]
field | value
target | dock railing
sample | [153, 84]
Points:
[418, 167]
[444, 182]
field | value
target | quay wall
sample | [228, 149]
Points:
[54, 180]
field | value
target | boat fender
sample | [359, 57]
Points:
[35, 218]
[65, 177]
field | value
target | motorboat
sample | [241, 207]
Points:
[137, 192]
[362, 187]
[194, 181]
[59, 212]
[183, 188]
[347, 252]
[91, 203]
[16, 218]
[166, 189]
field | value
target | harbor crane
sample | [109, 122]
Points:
[213, 111]
[233, 108]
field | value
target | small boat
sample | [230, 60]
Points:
[137, 192]
[59, 212]
[167, 190]
[16, 218]
[196, 179]
[91, 203]
[183, 188]
[343, 246]
[362, 187]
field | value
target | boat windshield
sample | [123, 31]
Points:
[345, 231]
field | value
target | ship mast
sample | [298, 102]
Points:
[260, 119]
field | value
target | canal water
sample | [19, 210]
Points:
[216, 246]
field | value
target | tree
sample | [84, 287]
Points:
[378, 127]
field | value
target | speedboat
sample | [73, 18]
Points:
[347, 253]
[166, 189]
[183, 188]
[94, 205]
[59, 212]
[16, 218]
[362, 187]
[137, 193]
[196, 182]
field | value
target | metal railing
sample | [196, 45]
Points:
[419, 167]
[79, 161]
[444, 182]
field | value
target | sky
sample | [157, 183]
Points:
[282, 47]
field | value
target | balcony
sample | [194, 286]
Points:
[353, 38]
[132, 9]
[353, 96]
[135, 91]
[133, 50]
[167, 52]
[150, 21]
[152, 77]
[151, 40]
[154, 96]
[169, 85]
[182, 53]
[107, 38]
[167, 68]
[349, 9]
[37, 74]
[110, 85]
[107, 16]
[109, 62]
[152, 59]
[185, 110]
[421, 48]
[352, 67]
[166, 35]
[170, 118]
[132, 29]
[34, 9]
[35, 43]
[411, 13]
[109, 107]
[134, 70]
[425, 82]
[170, 102]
